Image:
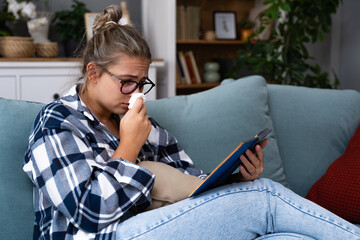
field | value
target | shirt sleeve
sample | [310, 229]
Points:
[91, 194]
[169, 151]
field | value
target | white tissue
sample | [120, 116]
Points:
[134, 97]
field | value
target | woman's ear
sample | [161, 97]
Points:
[91, 72]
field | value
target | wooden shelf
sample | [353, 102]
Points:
[39, 59]
[214, 42]
[222, 51]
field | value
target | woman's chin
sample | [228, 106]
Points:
[121, 109]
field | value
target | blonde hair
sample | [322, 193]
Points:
[110, 40]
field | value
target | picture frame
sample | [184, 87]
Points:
[225, 25]
[89, 21]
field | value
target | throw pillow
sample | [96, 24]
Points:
[313, 127]
[209, 125]
[338, 190]
[171, 185]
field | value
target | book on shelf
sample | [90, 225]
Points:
[194, 66]
[180, 77]
[184, 68]
[187, 22]
[187, 68]
[190, 68]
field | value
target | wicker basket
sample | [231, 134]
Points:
[50, 49]
[13, 47]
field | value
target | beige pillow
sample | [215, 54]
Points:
[171, 185]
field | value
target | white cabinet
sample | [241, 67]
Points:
[41, 81]
[8, 86]
[36, 80]
[44, 88]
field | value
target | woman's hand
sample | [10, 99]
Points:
[252, 165]
[135, 127]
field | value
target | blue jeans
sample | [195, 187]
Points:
[240, 211]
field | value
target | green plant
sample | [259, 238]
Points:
[246, 23]
[284, 58]
[4, 17]
[70, 24]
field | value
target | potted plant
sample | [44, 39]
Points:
[70, 25]
[246, 26]
[284, 59]
[5, 16]
[11, 12]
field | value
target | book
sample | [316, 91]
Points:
[195, 22]
[179, 71]
[187, 22]
[224, 170]
[182, 22]
[178, 23]
[194, 67]
[184, 67]
[178, 75]
[190, 68]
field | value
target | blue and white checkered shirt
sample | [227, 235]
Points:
[79, 191]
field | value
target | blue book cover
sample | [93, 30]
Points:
[224, 170]
[179, 65]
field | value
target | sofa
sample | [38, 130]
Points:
[311, 129]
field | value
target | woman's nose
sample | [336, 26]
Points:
[137, 90]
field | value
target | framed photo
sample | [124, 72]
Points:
[89, 21]
[225, 25]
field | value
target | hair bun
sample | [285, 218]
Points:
[112, 14]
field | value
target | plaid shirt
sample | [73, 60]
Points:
[79, 192]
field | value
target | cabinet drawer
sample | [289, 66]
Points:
[44, 88]
[8, 87]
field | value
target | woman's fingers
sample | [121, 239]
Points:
[253, 164]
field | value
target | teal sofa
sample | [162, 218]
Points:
[311, 129]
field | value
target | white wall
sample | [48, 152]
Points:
[349, 56]
[340, 49]
[159, 28]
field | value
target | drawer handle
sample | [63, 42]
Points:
[56, 96]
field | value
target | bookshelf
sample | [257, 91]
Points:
[221, 51]
[159, 26]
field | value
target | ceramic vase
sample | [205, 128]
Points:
[211, 72]
[39, 27]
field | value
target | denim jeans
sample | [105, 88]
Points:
[246, 210]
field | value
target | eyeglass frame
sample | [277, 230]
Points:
[138, 84]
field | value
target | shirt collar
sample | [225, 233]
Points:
[73, 100]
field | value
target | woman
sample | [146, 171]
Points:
[84, 153]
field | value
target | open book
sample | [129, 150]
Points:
[223, 171]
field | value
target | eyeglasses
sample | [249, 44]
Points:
[129, 86]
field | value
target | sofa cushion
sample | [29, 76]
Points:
[313, 128]
[16, 205]
[210, 124]
[338, 190]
